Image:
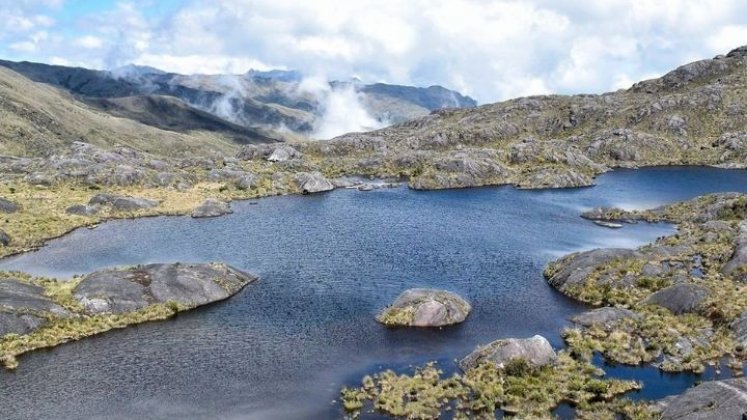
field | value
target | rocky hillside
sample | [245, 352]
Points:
[39, 120]
[696, 114]
[270, 101]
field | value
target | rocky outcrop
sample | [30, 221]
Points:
[24, 307]
[130, 289]
[554, 178]
[4, 238]
[739, 328]
[312, 182]
[536, 350]
[725, 399]
[212, 207]
[737, 264]
[679, 298]
[425, 308]
[269, 152]
[604, 317]
[83, 209]
[7, 206]
[572, 271]
[122, 202]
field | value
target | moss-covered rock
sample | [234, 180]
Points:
[425, 308]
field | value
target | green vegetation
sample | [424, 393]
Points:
[517, 388]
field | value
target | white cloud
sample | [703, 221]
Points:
[490, 49]
[89, 41]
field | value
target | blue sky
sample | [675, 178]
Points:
[489, 49]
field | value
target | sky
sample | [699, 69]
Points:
[489, 49]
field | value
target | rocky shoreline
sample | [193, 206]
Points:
[37, 312]
[679, 303]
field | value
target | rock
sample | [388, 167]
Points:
[312, 182]
[270, 152]
[122, 202]
[739, 327]
[572, 271]
[7, 206]
[425, 308]
[4, 238]
[366, 187]
[40, 179]
[129, 289]
[740, 52]
[536, 351]
[82, 210]
[212, 207]
[679, 298]
[604, 317]
[24, 308]
[19, 323]
[738, 261]
[283, 153]
[724, 399]
[554, 178]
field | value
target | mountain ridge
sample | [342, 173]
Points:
[270, 101]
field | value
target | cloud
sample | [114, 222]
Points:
[89, 41]
[490, 49]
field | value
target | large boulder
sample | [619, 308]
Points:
[212, 207]
[425, 308]
[679, 298]
[571, 272]
[122, 202]
[313, 182]
[725, 399]
[7, 206]
[128, 289]
[24, 308]
[536, 350]
[604, 317]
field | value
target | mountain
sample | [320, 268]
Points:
[693, 115]
[276, 100]
[39, 120]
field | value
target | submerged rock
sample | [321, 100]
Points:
[425, 308]
[128, 289]
[679, 298]
[313, 182]
[725, 399]
[122, 202]
[7, 206]
[212, 207]
[536, 351]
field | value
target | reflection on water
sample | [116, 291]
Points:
[283, 347]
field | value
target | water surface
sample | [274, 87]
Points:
[283, 347]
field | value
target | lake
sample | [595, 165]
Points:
[284, 346]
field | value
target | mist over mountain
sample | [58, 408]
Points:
[283, 104]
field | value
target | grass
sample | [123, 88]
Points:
[517, 388]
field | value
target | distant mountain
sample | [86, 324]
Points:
[269, 101]
[40, 120]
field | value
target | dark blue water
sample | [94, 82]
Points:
[283, 347]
